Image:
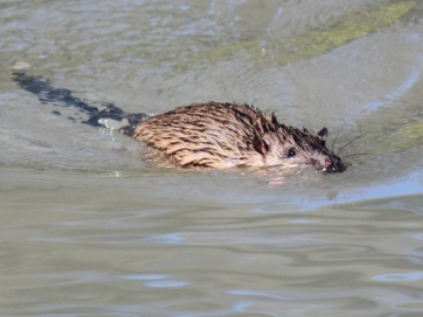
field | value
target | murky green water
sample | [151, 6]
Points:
[87, 229]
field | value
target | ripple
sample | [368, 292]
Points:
[156, 280]
[399, 277]
[166, 284]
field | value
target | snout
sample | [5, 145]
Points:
[333, 164]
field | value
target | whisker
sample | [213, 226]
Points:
[348, 143]
[336, 138]
[358, 154]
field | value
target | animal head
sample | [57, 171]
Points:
[288, 145]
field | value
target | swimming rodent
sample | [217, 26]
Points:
[211, 135]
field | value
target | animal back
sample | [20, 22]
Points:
[211, 135]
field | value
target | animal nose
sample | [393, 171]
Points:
[333, 164]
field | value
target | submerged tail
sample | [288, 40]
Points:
[63, 97]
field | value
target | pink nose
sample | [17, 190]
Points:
[328, 162]
[334, 164]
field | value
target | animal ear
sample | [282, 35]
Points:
[323, 134]
[260, 145]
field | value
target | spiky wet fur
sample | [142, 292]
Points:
[222, 135]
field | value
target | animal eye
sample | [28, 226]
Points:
[292, 152]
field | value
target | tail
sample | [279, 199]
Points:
[110, 117]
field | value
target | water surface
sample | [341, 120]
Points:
[89, 229]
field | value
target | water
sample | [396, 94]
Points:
[89, 229]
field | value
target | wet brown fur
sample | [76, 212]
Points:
[222, 135]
